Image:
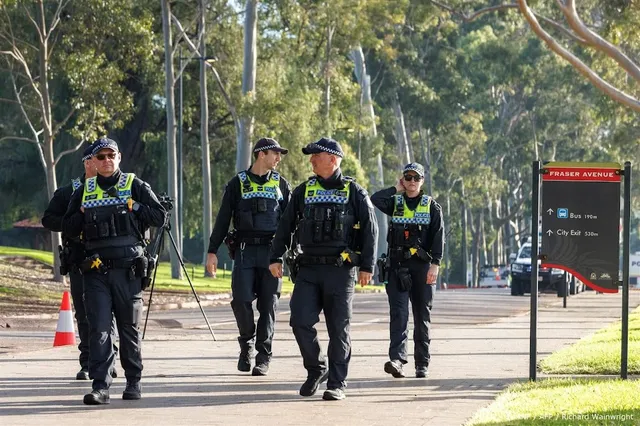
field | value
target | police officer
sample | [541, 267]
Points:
[255, 199]
[112, 213]
[336, 228]
[73, 255]
[415, 249]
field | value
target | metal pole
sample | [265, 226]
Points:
[179, 148]
[625, 269]
[535, 213]
[565, 282]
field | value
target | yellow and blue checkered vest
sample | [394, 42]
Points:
[326, 221]
[407, 226]
[108, 221]
[258, 210]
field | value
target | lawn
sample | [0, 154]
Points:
[221, 284]
[566, 401]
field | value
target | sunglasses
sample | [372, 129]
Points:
[101, 157]
[415, 178]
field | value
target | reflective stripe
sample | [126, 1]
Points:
[94, 196]
[76, 183]
[316, 194]
[270, 189]
[420, 216]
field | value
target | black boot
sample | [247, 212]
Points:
[97, 397]
[261, 369]
[310, 386]
[83, 374]
[244, 361]
[132, 391]
[394, 368]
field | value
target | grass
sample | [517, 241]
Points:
[41, 256]
[221, 284]
[564, 402]
[598, 353]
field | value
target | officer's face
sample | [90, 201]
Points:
[106, 161]
[272, 159]
[409, 180]
[322, 163]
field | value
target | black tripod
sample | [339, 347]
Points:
[156, 247]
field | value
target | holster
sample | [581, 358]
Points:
[404, 279]
[231, 241]
[383, 268]
[64, 259]
[146, 265]
[292, 264]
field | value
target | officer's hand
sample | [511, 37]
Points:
[212, 264]
[276, 269]
[432, 275]
[82, 209]
[364, 278]
[400, 186]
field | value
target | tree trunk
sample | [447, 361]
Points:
[204, 137]
[465, 246]
[447, 264]
[47, 128]
[365, 83]
[245, 123]
[327, 80]
[401, 134]
[172, 181]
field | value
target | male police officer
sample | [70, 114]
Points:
[255, 198]
[72, 255]
[336, 230]
[112, 213]
[415, 249]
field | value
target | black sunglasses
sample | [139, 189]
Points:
[101, 157]
[409, 178]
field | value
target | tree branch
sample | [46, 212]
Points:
[56, 17]
[18, 138]
[194, 50]
[602, 85]
[594, 40]
[61, 124]
[69, 151]
[12, 101]
[471, 17]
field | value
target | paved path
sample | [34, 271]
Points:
[190, 379]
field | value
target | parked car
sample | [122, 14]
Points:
[548, 278]
[494, 276]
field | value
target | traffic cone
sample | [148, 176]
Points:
[65, 332]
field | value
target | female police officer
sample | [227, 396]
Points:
[415, 249]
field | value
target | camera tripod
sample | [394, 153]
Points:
[155, 250]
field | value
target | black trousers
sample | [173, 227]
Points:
[76, 281]
[421, 296]
[108, 295]
[251, 280]
[328, 288]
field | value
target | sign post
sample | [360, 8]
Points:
[581, 230]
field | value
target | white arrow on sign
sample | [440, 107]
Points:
[549, 232]
[550, 211]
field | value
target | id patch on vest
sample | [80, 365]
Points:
[91, 197]
[310, 193]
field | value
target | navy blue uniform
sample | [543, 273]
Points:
[323, 282]
[429, 238]
[255, 220]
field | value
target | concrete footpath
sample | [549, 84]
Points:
[189, 379]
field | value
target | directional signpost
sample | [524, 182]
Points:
[581, 233]
[581, 220]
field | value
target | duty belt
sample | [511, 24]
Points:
[255, 241]
[347, 257]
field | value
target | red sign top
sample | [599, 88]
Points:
[586, 174]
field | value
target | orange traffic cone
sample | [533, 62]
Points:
[65, 332]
